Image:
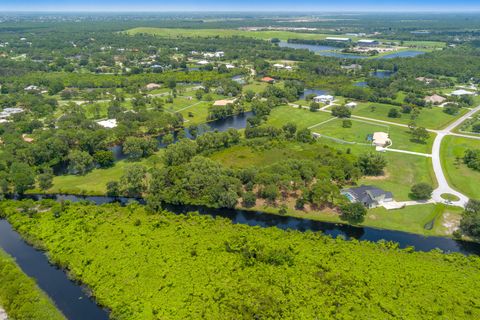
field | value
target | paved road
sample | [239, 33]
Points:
[443, 186]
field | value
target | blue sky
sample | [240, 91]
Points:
[243, 5]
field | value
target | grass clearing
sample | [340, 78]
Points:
[430, 118]
[459, 176]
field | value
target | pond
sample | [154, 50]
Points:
[307, 92]
[382, 74]
[310, 47]
[403, 54]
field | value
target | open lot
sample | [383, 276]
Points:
[430, 118]
[459, 176]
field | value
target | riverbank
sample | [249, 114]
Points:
[20, 297]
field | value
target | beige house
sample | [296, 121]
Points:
[223, 103]
[153, 86]
[381, 139]
[435, 99]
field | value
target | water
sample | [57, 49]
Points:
[382, 74]
[311, 47]
[329, 51]
[403, 54]
[69, 297]
[239, 79]
[362, 84]
[316, 92]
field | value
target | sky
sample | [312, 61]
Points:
[240, 5]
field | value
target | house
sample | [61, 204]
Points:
[367, 43]
[338, 39]
[435, 99]
[203, 62]
[369, 196]
[223, 103]
[152, 86]
[230, 66]
[288, 68]
[381, 139]
[324, 98]
[267, 80]
[352, 67]
[31, 88]
[462, 92]
[423, 79]
[278, 65]
[351, 105]
[110, 123]
[26, 138]
[8, 112]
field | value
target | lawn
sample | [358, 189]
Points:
[401, 173]
[430, 118]
[94, 182]
[459, 176]
[400, 136]
[301, 117]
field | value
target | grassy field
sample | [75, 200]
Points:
[401, 173]
[20, 296]
[430, 118]
[400, 136]
[459, 176]
[264, 35]
[94, 182]
[301, 117]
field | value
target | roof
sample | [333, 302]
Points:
[367, 41]
[267, 79]
[152, 86]
[110, 123]
[380, 138]
[337, 39]
[435, 98]
[368, 194]
[351, 104]
[223, 102]
[462, 92]
[324, 97]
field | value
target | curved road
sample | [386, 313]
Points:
[443, 186]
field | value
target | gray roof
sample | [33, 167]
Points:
[367, 194]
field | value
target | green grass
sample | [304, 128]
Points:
[20, 296]
[264, 35]
[400, 136]
[401, 173]
[430, 118]
[301, 117]
[94, 182]
[459, 176]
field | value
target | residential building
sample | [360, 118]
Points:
[268, 80]
[369, 196]
[324, 98]
[435, 99]
[381, 139]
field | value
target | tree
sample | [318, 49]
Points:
[45, 179]
[347, 123]
[341, 112]
[314, 106]
[323, 193]
[476, 127]
[113, 189]
[168, 139]
[133, 182]
[304, 135]
[289, 129]
[136, 148]
[249, 199]
[372, 164]
[353, 212]
[421, 191]
[470, 223]
[80, 162]
[104, 158]
[270, 193]
[393, 113]
[420, 134]
[22, 177]
[472, 159]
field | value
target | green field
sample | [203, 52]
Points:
[414, 169]
[400, 136]
[459, 176]
[264, 35]
[301, 117]
[20, 296]
[143, 265]
[430, 118]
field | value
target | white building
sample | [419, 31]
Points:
[324, 98]
[351, 105]
[338, 39]
[230, 66]
[278, 65]
[110, 123]
[462, 92]
[8, 112]
[202, 62]
[381, 139]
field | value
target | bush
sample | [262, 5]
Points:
[353, 212]
[393, 113]
[249, 199]
[422, 191]
[341, 112]
[346, 123]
